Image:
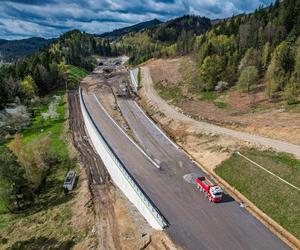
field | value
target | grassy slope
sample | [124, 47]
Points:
[280, 201]
[75, 74]
[54, 128]
[48, 222]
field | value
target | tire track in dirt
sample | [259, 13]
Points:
[102, 190]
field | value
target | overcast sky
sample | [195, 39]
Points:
[49, 18]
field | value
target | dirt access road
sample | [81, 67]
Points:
[198, 126]
[244, 112]
[194, 223]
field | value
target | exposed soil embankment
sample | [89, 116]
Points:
[233, 109]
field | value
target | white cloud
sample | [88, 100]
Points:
[52, 17]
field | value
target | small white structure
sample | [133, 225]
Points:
[70, 180]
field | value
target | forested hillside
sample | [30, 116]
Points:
[134, 28]
[242, 51]
[167, 39]
[43, 71]
[11, 50]
[211, 63]
[262, 46]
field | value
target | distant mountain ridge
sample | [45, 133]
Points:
[170, 30]
[11, 50]
[134, 28]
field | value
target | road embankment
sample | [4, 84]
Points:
[119, 174]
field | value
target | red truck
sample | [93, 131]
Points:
[213, 192]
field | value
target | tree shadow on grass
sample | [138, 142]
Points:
[53, 202]
[42, 243]
[44, 204]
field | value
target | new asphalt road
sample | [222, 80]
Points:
[194, 222]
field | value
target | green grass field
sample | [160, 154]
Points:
[53, 128]
[277, 199]
[52, 208]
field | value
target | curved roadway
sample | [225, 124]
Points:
[194, 223]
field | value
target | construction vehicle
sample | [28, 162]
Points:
[212, 191]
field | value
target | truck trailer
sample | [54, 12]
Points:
[212, 191]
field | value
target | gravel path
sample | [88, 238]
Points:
[172, 113]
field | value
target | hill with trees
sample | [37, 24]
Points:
[134, 28]
[44, 70]
[167, 39]
[248, 52]
[261, 46]
[240, 51]
[244, 51]
[11, 50]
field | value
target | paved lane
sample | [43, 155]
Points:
[194, 222]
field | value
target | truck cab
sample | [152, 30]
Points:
[216, 194]
[212, 191]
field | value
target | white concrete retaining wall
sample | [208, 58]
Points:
[119, 174]
[134, 79]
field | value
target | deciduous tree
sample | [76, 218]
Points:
[14, 188]
[280, 68]
[210, 71]
[248, 78]
[29, 87]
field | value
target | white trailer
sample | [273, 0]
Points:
[70, 180]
